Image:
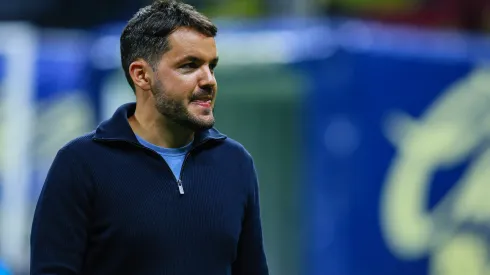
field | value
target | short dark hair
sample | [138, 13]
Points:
[146, 34]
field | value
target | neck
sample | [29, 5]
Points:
[157, 129]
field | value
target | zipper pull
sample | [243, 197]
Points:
[181, 187]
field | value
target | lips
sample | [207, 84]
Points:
[202, 98]
[202, 102]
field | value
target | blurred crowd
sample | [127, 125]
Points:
[468, 15]
[471, 15]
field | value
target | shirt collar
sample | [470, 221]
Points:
[117, 128]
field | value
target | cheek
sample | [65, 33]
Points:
[179, 89]
[180, 86]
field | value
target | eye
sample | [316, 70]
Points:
[212, 67]
[191, 65]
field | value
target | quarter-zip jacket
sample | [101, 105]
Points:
[110, 206]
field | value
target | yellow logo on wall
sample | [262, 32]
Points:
[453, 130]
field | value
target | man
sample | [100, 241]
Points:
[155, 189]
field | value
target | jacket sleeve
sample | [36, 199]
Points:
[59, 228]
[251, 258]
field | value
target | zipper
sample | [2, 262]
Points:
[181, 187]
[177, 180]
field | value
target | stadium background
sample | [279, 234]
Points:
[368, 119]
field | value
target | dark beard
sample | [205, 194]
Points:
[177, 111]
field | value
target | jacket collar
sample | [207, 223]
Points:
[117, 128]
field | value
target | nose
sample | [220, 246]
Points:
[207, 78]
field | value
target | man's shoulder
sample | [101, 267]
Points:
[73, 152]
[236, 148]
[79, 144]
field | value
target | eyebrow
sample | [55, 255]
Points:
[192, 58]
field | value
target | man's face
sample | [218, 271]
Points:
[185, 86]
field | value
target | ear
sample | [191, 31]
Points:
[140, 72]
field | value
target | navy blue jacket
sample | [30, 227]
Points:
[110, 206]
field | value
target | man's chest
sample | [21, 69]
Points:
[147, 210]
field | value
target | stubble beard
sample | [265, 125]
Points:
[176, 110]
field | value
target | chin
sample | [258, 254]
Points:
[206, 124]
[200, 123]
[201, 127]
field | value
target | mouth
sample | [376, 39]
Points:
[205, 103]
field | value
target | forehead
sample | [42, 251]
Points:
[186, 41]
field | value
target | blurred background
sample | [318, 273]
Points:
[369, 121]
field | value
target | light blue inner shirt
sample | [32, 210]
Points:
[173, 156]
